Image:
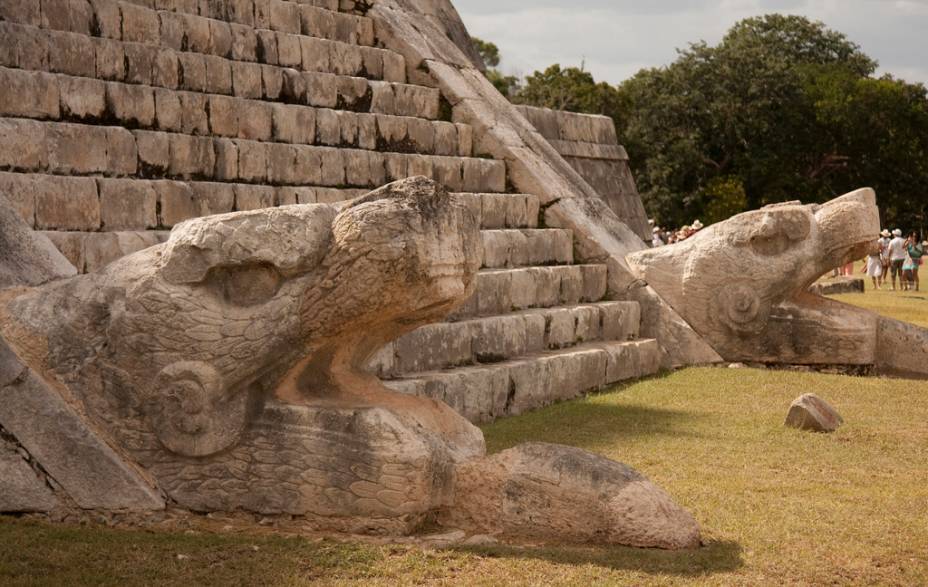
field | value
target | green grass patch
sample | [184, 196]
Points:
[908, 306]
[776, 506]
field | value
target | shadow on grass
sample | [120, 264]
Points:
[588, 423]
[715, 557]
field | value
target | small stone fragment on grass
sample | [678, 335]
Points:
[810, 412]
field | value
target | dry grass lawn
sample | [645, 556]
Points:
[776, 506]
[910, 306]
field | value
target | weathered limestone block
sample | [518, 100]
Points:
[29, 94]
[21, 488]
[88, 470]
[193, 69]
[77, 149]
[253, 197]
[246, 80]
[154, 151]
[839, 286]
[195, 157]
[213, 198]
[83, 98]
[130, 104]
[110, 59]
[901, 349]
[505, 493]
[23, 144]
[19, 190]
[26, 257]
[66, 203]
[121, 152]
[218, 75]
[72, 54]
[102, 248]
[139, 24]
[21, 11]
[128, 204]
[502, 337]
[810, 412]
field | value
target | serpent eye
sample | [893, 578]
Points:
[245, 285]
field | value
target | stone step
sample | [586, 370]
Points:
[500, 291]
[55, 202]
[498, 338]
[67, 210]
[79, 149]
[73, 24]
[498, 211]
[527, 247]
[90, 251]
[29, 48]
[74, 99]
[486, 392]
[313, 19]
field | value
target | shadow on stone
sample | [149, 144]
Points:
[716, 557]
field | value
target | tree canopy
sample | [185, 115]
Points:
[783, 108]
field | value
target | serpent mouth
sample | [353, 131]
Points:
[848, 225]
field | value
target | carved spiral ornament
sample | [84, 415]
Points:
[192, 412]
[740, 308]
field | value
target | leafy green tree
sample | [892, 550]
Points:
[570, 88]
[783, 108]
[724, 198]
[880, 128]
[489, 52]
[784, 105]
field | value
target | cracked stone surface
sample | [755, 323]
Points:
[227, 367]
[742, 284]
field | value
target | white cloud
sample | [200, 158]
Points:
[617, 38]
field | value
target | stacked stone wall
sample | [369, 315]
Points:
[118, 120]
[589, 143]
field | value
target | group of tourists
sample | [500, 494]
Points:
[661, 237]
[894, 257]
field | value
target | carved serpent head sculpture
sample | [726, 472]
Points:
[743, 284]
[228, 364]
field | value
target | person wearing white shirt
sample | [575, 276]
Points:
[656, 240]
[885, 238]
[897, 255]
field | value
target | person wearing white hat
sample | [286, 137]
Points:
[885, 238]
[897, 257]
[656, 240]
[875, 264]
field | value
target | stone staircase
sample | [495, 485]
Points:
[120, 119]
[537, 330]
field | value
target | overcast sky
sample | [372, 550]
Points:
[616, 38]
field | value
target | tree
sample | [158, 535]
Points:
[881, 127]
[785, 107]
[571, 88]
[489, 52]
